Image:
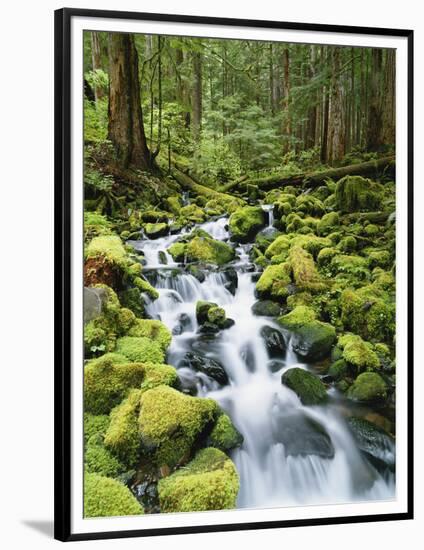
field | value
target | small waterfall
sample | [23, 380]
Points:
[291, 454]
[269, 209]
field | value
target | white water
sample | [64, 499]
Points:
[259, 405]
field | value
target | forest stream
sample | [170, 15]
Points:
[291, 453]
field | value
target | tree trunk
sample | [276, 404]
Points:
[336, 133]
[389, 110]
[374, 133]
[126, 130]
[286, 99]
[197, 97]
[96, 61]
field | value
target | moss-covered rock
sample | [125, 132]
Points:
[193, 213]
[173, 204]
[98, 460]
[348, 244]
[95, 425]
[171, 423]
[177, 251]
[154, 216]
[369, 312]
[278, 248]
[313, 340]
[358, 353]
[305, 274]
[105, 497]
[267, 308]
[325, 256]
[146, 288]
[311, 243]
[308, 387]
[338, 370]
[107, 382]
[154, 330]
[328, 223]
[352, 265]
[209, 250]
[310, 205]
[357, 194]
[246, 222]
[300, 316]
[224, 435]
[274, 281]
[156, 230]
[122, 438]
[202, 309]
[140, 349]
[368, 387]
[217, 316]
[209, 482]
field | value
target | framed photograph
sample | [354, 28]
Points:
[233, 270]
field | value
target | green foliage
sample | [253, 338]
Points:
[140, 349]
[209, 482]
[105, 497]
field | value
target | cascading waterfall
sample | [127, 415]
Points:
[285, 459]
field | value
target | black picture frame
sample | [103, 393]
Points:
[63, 220]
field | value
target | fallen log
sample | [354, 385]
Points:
[372, 168]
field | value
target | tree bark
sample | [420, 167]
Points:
[126, 130]
[389, 110]
[286, 99]
[197, 97]
[336, 133]
[374, 133]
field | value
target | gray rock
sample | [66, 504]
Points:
[94, 300]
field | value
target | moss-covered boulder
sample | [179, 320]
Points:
[308, 387]
[173, 204]
[328, 223]
[310, 205]
[351, 265]
[313, 340]
[202, 310]
[171, 423]
[274, 281]
[357, 194]
[108, 380]
[338, 370]
[305, 274]
[369, 312]
[300, 316]
[140, 349]
[311, 243]
[246, 222]
[154, 216]
[358, 353]
[209, 482]
[193, 213]
[267, 308]
[177, 251]
[202, 248]
[156, 230]
[224, 435]
[106, 262]
[377, 445]
[368, 387]
[348, 244]
[279, 248]
[105, 497]
[153, 329]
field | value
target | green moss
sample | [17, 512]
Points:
[105, 497]
[305, 275]
[98, 460]
[307, 386]
[206, 249]
[145, 287]
[297, 318]
[300, 299]
[193, 213]
[173, 204]
[372, 230]
[140, 349]
[338, 370]
[122, 437]
[326, 255]
[369, 312]
[154, 330]
[155, 230]
[202, 309]
[368, 387]
[171, 423]
[379, 258]
[96, 339]
[159, 375]
[246, 222]
[280, 246]
[131, 299]
[348, 244]
[311, 243]
[177, 251]
[216, 315]
[95, 425]
[274, 281]
[154, 216]
[357, 353]
[110, 247]
[310, 205]
[328, 223]
[209, 482]
[95, 225]
[350, 265]
[225, 435]
[313, 340]
[357, 194]
[106, 383]
[293, 223]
